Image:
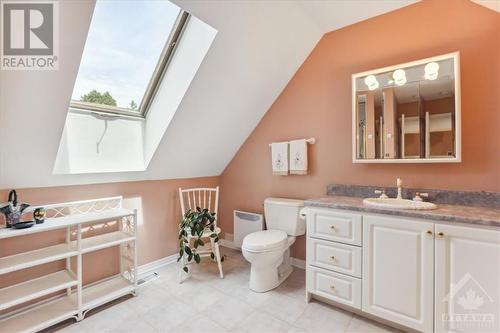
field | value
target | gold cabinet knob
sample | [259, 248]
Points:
[332, 227]
[332, 287]
[332, 257]
[429, 232]
[440, 234]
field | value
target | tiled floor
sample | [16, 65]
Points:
[206, 303]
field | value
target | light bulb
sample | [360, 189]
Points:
[399, 77]
[371, 82]
[431, 71]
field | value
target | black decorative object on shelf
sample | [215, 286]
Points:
[23, 225]
[12, 210]
[39, 215]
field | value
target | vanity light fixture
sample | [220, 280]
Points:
[399, 77]
[371, 82]
[431, 71]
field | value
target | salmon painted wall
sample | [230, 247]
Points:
[317, 102]
[158, 208]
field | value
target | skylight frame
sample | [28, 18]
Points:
[161, 67]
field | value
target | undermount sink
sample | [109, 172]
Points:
[394, 203]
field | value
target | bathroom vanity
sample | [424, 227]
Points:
[424, 270]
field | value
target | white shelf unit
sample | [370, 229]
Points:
[40, 317]
[32, 289]
[100, 293]
[37, 257]
[74, 217]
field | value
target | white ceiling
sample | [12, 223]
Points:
[491, 4]
[258, 48]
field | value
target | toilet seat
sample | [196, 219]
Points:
[264, 241]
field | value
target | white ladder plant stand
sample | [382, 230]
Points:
[204, 198]
[76, 218]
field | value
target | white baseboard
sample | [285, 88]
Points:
[229, 244]
[148, 268]
[299, 263]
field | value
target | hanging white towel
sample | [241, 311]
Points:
[298, 157]
[279, 151]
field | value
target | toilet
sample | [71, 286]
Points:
[268, 251]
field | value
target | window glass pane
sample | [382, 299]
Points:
[123, 47]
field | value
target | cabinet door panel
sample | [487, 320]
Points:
[467, 279]
[398, 270]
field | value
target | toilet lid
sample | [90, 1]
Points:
[265, 240]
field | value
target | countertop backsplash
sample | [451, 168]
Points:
[446, 197]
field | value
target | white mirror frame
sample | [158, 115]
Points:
[458, 124]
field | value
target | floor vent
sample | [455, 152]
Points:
[148, 278]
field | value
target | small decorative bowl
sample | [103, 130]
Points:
[39, 215]
[23, 225]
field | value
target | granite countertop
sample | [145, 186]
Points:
[449, 213]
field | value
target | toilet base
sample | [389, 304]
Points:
[284, 272]
[263, 279]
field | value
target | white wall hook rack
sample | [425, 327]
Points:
[310, 141]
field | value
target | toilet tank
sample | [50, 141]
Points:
[283, 214]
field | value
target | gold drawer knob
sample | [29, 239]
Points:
[440, 234]
[429, 232]
[332, 257]
[332, 227]
[332, 287]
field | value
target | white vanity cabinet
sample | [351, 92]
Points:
[467, 277]
[334, 256]
[412, 272]
[398, 270]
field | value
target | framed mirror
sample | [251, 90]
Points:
[408, 113]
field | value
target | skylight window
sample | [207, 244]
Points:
[128, 47]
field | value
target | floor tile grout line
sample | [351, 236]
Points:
[232, 329]
[349, 323]
[303, 311]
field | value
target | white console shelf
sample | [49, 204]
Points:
[75, 218]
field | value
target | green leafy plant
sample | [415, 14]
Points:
[97, 97]
[193, 225]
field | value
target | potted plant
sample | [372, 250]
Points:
[192, 226]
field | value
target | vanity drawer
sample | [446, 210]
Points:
[334, 286]
[333, 225]
[338, 257]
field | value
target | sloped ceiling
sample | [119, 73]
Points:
[258, 48]
[490, 4]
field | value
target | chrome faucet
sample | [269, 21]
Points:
[382, 194]
[399, 184]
